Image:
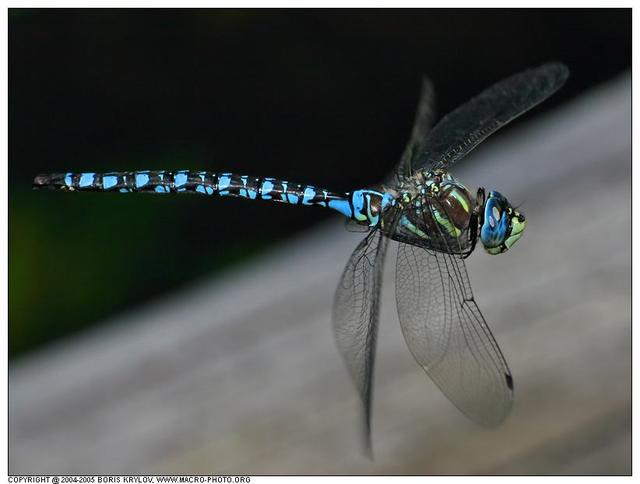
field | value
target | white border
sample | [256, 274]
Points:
[298, 4]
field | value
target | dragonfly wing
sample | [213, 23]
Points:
[425, 116]
[353, 226]
[355, 316]
[447, 334]
[466, 127]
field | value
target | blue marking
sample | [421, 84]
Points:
[293, 199]
[209, 190]
[181, 178]
[201, 175]
[68, 179]
[124, 190]
[142, 179]
[200, 189]
[224, 181]
[308, 195]
[358, 205]
[341, 206]
[246, 192]
[109, 181]
[387, 200]
[243, 191]
[267, 186]
[283, 195]
[162, 189]
[86, 179]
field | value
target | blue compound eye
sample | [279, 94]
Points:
[502, 225]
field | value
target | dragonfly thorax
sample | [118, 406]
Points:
[434, 210]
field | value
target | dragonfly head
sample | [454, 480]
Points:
[502, 225]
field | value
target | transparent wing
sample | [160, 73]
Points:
[463, 129]
[425, 116]
[355, 316]
[353, 226]
[447, 334]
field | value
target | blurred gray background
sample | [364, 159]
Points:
[186, 335]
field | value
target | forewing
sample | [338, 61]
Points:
[355, 316]
[447, 334]
[463, 129]
[425, 116]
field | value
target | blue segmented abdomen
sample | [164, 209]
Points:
[363, 206]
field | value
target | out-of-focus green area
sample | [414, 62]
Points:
[103, 253]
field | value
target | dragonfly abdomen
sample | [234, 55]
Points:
[364, 206]
[188, 181]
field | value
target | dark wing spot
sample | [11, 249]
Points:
[509, 381]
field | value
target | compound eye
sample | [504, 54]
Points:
[496, 213]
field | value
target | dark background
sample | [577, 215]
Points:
[319, 97]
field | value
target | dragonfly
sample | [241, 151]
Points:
[436, 222]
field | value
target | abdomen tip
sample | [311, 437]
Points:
[41, 181]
